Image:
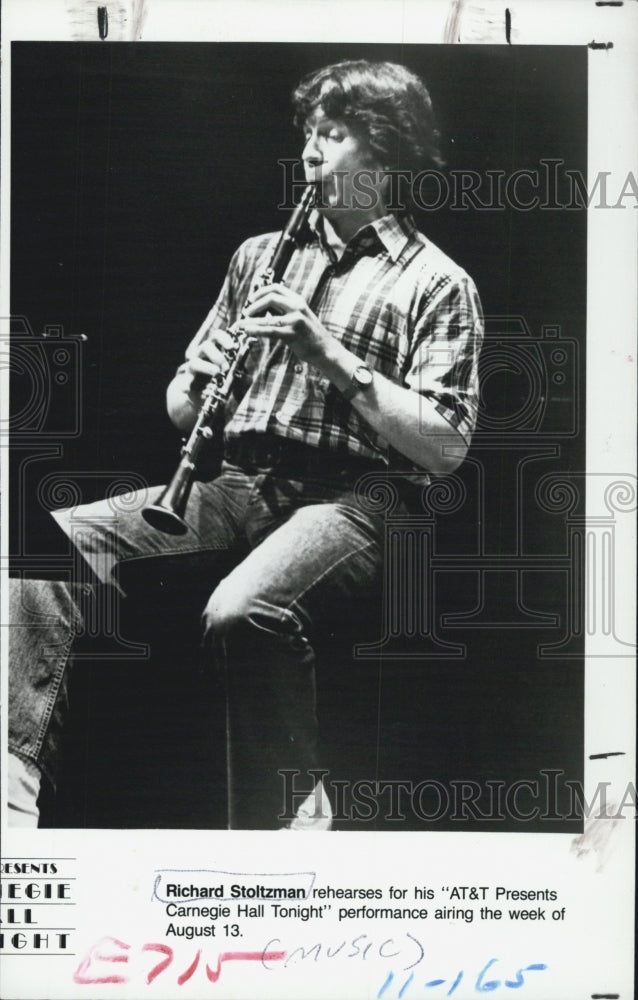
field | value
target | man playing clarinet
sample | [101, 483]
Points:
[363, 360]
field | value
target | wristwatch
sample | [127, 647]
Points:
[360, 380]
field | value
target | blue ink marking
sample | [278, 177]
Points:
[416, 941]
[455, 984]
[389, 979]
[520, 981]
[406, 984]
[163, 872]
[491, 984]
[515, 984]
[392, 954]
[482, 985]
[331, 954]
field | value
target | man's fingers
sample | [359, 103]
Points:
[277, 289]
[271, 323]
[275, 298]
[210, 357]
[210, 351]
[223, 339]
[199, 366]
[287, 325]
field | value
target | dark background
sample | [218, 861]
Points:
[136, 171]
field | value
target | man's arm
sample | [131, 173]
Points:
[183, 396]
[406, 419]
[204, 354]
[409, 420]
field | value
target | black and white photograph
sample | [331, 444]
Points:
[302, 531]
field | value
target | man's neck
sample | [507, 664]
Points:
[342, 226]
[332, 240]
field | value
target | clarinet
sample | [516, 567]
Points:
[167, 513]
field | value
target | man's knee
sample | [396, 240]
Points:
[237, 606]
[227, 609]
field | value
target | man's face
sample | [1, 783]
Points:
[343, 164]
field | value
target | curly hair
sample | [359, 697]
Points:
[385, 103]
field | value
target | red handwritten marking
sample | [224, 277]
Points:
[190, 970]
[242, 956]
[164, 964]
[96, 955]
[79, 976]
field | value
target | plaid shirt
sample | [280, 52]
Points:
[393, 299]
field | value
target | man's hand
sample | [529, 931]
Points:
[183, 396]
[407, 420]
[209, 358]
[276, 311]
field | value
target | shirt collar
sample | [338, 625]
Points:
[394, 232]
[391, 231]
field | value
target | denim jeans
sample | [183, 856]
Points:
[303, 551]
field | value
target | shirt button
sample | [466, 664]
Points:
[299, 369]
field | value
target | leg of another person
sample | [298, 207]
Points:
[46, 615]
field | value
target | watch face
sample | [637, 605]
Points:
[362, 376]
